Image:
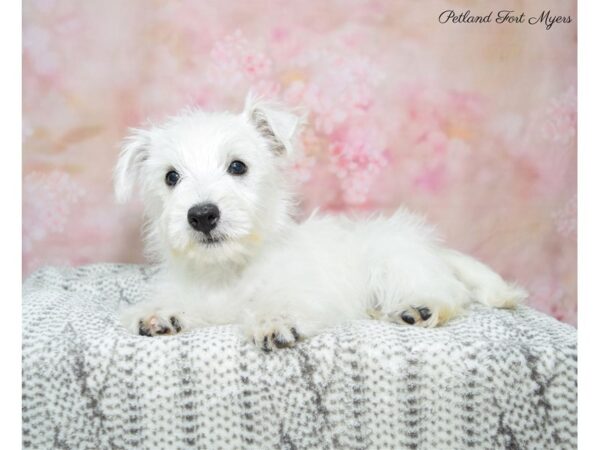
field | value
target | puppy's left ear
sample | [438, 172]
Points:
[134, 153]
[277, 125]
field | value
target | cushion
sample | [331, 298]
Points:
[489, 379]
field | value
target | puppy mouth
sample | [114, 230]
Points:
[212, 241]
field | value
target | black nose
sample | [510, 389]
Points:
[204, 217]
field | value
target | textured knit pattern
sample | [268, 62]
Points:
[491, 379]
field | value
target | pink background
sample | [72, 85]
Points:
[472, 124]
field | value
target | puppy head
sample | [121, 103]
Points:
[211, 183]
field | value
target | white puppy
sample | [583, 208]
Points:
[220, 222]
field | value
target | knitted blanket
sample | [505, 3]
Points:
[491, 379]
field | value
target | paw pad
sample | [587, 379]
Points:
[414, 315]
[279, 340]
[424, 312]
[275, 334]
[407, 317]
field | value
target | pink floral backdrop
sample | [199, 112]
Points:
[472, 124]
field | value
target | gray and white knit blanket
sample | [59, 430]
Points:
[491, 379]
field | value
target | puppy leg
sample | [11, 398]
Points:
[419, 291]
[486, 286]
[280, 319]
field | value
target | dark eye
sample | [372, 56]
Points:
[237, 168]
[171, 178]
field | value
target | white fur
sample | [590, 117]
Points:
[270, 274]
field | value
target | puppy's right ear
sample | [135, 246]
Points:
[134, 152]
[275, 123]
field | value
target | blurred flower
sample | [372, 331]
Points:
[559, 118]
[565, 219]
[548, 295]
[48, 200]
[357, 156]
[439, 126]
[234, 60]
[341, 88]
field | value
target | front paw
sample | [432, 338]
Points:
[155, 325]
[152, 320]
[269, 333]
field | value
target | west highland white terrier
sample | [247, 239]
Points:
[220, 221]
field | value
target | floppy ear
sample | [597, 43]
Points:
[277, 125]
[134, 152]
